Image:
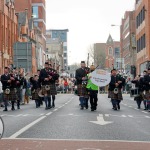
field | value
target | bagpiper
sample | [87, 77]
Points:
[9, 87]
[53, 92]
[147, 88]
[35, 90]
[45, 85]
[81, 78]
[115, 87]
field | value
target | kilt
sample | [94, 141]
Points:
[118, 96]
[19, 93]
[35, 95]
[82, 91]
[147, 95]
[50, 92]
[12, 96]
[53, 90]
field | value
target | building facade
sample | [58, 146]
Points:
[127, 42]
[8, 33]
[36, 12]
[113, 58]
[142, 13]
[62, 35]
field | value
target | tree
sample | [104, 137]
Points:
[97, 55]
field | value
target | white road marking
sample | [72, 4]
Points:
[26, 127]
[124, 116]
[125, 104]
[130, 106]
[2, 115]
[145, 112]
[26, 115]
[49, 113]
[136, 109]
[55, 109]
[19, 115]
[107, 115]
[147, 116]
[130, 116]
[41, 114]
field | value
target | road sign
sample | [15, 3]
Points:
[100, 77]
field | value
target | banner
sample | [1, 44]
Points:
[100, 77]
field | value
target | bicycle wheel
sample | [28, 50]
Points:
[1, 127]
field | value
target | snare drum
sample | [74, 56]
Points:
[134, 92]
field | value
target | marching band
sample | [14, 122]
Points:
[43, 88]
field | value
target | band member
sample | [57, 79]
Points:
[9, 85]
[35, 89]
[53, 92]
[45, 82]
[147, 88]
[139, 87]
[92, 90]
[115, 87]
[81, 77]
[142, 82]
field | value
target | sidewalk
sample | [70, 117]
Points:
[24, 144]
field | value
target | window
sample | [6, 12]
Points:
[110, 51]
[141, 43]
[36, 24]
[35, 12]
[140, 18]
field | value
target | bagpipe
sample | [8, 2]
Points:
[87, 71]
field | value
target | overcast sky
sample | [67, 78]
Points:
[88, 21]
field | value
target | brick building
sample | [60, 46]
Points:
[8, 33]
[112, 51]
[127, 41]
[142, 13]
[107, 55]
[36, 11]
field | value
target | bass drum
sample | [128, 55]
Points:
[134, 92]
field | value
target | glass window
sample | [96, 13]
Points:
[35, 12]
[110, 51]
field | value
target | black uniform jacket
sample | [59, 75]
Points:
[147, 82]
[80, 73]
[114, 80]
[4, 80]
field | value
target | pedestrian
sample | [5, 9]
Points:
[9, 87]
[139, 90]
[45, 85]
[147, 88]
[81, 78]
[35, 90]
[92, 90]
[115, 87]
[65, 85]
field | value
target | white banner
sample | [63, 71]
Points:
[100, 77]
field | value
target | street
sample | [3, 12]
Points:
[67, 122]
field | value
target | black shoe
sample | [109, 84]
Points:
[82, 108]
[46, 108]
[18, 107]
[86, 107]
[49, 107]
[5, 109]
[115, 108]
[145, 109]
[92, 109]
[12, 108]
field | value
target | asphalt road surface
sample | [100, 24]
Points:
[67, 127]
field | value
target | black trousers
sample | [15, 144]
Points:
[93, 98]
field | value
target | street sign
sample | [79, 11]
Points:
[100, 77]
